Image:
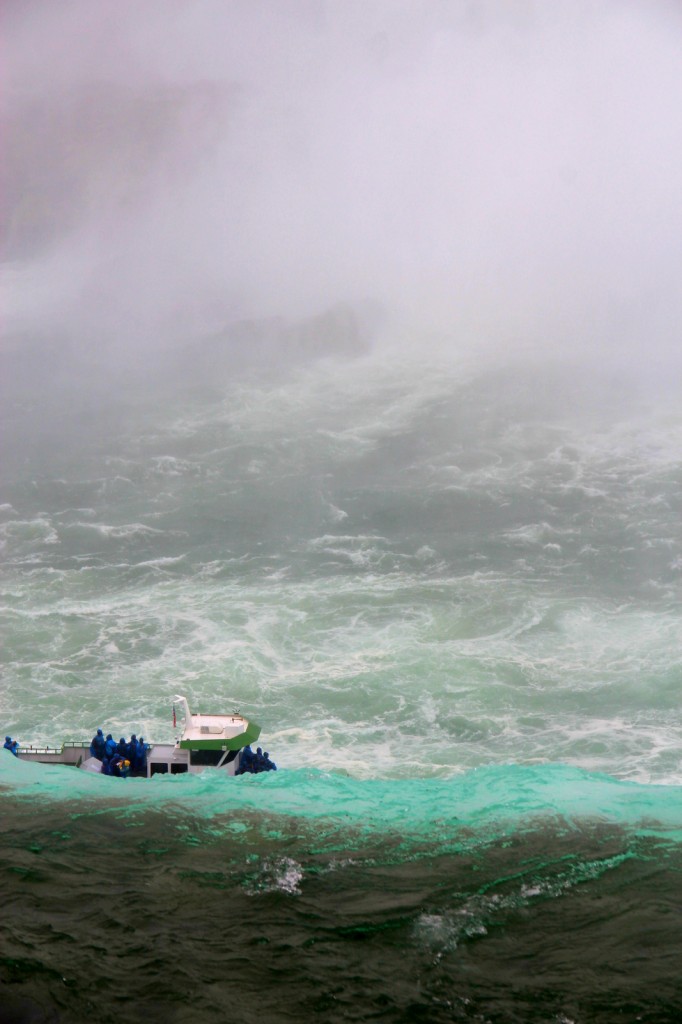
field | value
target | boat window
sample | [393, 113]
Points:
[212, 758]
[158, 768]
[178, 769]
[207, 758]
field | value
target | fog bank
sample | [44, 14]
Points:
[488, 175]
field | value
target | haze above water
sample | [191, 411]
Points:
[489, 176]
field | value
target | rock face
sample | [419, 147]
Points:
[98, 151]
[83, 167]
[342, 330]
[111, 289]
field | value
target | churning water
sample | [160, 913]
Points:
[451, 597]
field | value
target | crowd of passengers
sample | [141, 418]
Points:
[11, 745]
[127, 757]
[251, 764]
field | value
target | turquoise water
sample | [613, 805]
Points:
[450, 595]
[492, 801]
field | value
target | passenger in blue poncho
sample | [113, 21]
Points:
[131, 749]
[109, 745]
[122, 747]
[246, 761]
[140, 763]
[116, 765]
[97, 745]
[11, 745]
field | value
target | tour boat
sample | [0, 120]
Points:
[206, 741]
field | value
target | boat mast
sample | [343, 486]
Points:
[179, 699]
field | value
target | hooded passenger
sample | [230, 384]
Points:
[246, 759]
[109, 745]
[11, 745]
[131, 749]
[140, 762]
[270, 766]
[97, 745]
[122, 747]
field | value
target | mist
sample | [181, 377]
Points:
[492, 177]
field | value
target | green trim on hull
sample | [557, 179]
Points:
[250, 735]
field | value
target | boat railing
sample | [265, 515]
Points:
[28, 748]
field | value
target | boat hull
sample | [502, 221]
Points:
[162, 759]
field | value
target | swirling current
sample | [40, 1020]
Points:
[450, 595]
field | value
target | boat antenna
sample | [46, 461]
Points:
[179, 699]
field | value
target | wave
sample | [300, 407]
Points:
[25, 535]
[121, 532]
[481, 804]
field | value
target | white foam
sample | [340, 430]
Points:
[23, 534]
[337, 515]
[120, 532]
[281, 874]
